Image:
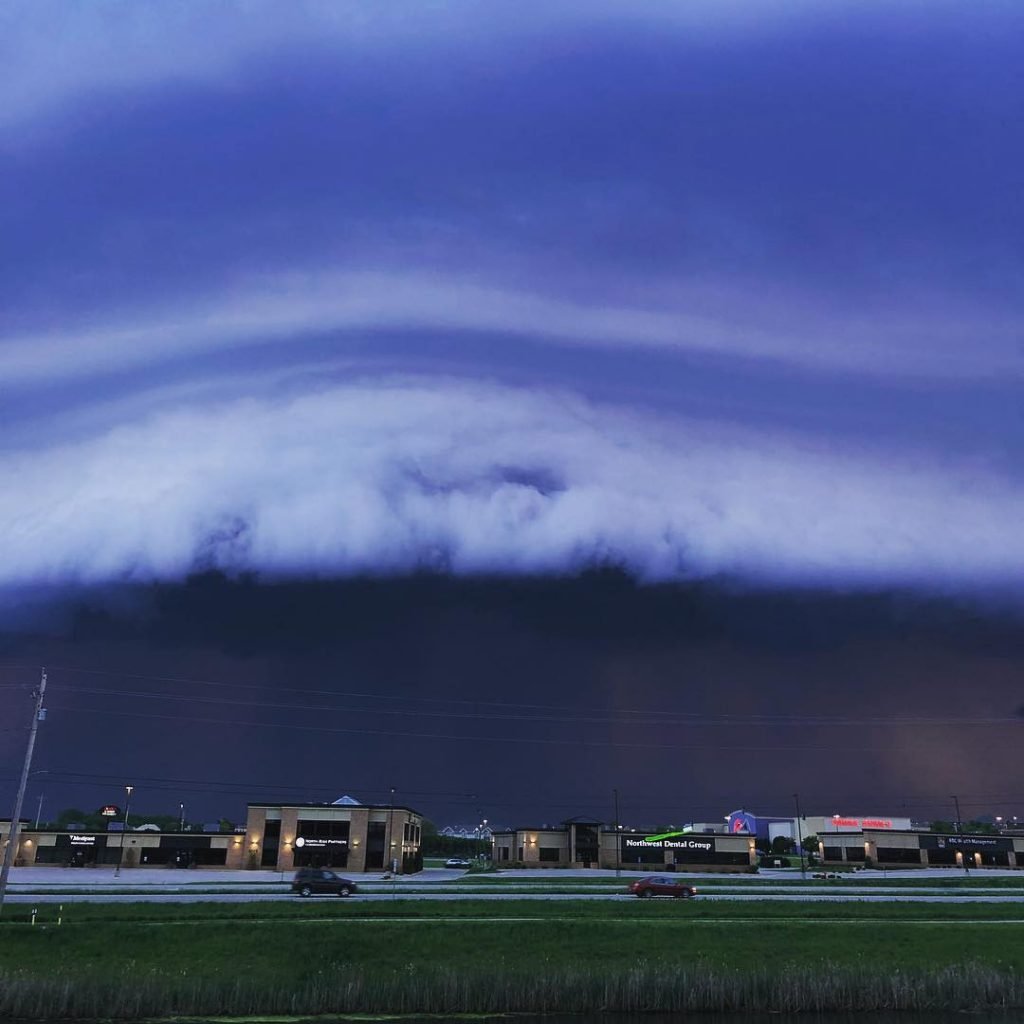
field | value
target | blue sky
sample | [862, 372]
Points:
[715, 289]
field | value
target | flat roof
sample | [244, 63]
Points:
[332, 806]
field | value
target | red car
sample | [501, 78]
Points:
[657, 885]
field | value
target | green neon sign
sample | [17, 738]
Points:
[666, 835]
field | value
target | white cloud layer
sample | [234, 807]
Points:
[53, 52]
[924, 343]
[405, 473]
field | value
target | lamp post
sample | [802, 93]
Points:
[799, 837]
[181, 819]
[618, 836]
[391, 833]
[124, 833]
[960, 832]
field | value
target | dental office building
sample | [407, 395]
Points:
[583, 843]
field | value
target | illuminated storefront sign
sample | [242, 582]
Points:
[981, 843]
[318, 844]
[704, 843]
[77, 840]
[859, 823]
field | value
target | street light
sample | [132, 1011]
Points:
[124, 833]
[618, 836]
[799, 837]
[391, 832]
[960, 832]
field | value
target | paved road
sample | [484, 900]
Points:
[375, 897]
[161, 885]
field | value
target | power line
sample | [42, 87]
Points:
[687, 719]
[603, 744]
[574, 713]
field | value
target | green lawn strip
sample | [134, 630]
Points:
[16, 916]
[280, 949]
[407, 956]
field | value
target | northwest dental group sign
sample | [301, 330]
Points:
[705, 844]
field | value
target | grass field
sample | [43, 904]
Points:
[475, 956]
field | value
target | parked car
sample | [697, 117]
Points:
[657, 885]
[308, 881]
[456, 862]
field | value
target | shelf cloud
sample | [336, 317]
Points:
[405, 474]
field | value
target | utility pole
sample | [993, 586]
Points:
[39, 810]
[799, 837]
[618, 837]
[12, 840]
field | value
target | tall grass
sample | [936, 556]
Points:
[636, 987]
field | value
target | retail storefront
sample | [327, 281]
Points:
[80, 849]
[922, 849]
[347, 836]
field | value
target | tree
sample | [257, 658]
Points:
[783, 844]
[810, 848]
[984, 827]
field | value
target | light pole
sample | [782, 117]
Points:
[799, 837]
[124, 833]
[181, 820]
[960, 832]
[618, 836]
[391, 833]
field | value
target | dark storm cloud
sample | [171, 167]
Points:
[699, 291]
[532, 696]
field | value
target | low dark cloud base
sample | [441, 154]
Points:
[526, 698]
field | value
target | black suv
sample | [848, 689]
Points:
[308, 881]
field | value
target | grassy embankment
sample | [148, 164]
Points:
[330, 956]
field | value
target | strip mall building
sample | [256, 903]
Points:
[346, 834]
